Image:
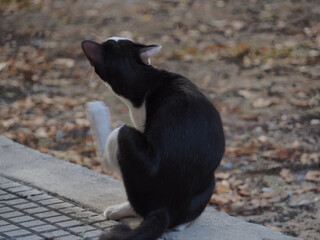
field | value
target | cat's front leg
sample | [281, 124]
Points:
[117, 212]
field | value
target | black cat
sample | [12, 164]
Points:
[167, 160]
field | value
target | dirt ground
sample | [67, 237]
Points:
[258, 61]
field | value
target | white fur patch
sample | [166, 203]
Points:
[116, 39]
[117, 212]
[182, 226]
[111, 150]
[137, 115]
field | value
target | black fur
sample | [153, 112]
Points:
[168, 170]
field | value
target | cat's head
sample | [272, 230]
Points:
[120, 63]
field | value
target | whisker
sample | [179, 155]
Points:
[126, 33]
[99, 34]
[130, 27]
[123, 34]
[97, 37]
[92, 75]
[86, 75]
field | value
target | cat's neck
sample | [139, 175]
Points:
[151, 80]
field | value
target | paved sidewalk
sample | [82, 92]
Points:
[31, 214]
[58, 203]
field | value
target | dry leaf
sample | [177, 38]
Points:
[283, 154]
[268, 194]
[299, 103]
[68, 126]
[313, 176]
[244, 190]
[227, 211]
[262, 103]
[275, 199]
[246, 94]
[3, 65]
[263, 138]
[272, 197]
[41, 133]
[274, 165]
[249, 117]
[268, 65]
[10, 122]
[82, 122]
[222, 199]
[269, 154]
[219, 199]
[223, 187]
[237, 25]
[310, 158]
[286, 175]
[67, 62]
[237, 206]
[222, 175]
[22, 137]
[246, 151]
[308, 189]
[258, 203]
[272, 227]
[235, 183]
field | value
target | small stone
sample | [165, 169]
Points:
[228, 165]
[237, 25]
[290, 43]
[267, 189]
[263, 138]
[221, 4]
[67, 62]
[314, 122]
[258, 129]
[41, 133]
[281, 24]
[3, 65]
[303, 69]
[314, 53]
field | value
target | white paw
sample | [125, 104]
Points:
[117, 212]
[183, 226]
[111, 213]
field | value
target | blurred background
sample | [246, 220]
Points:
[257, 61]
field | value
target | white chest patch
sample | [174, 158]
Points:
[116, 39]
[137, 115]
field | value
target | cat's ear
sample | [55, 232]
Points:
[147, 52]
[93, 51]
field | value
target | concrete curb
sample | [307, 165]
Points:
[65, 179]
[97, 191]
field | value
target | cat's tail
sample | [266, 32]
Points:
[151, 228]
[99, 119]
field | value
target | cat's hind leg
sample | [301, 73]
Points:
[110, 155]
[137, 159]
[117, 212]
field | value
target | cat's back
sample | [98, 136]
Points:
[182, 122]
[177, 94]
